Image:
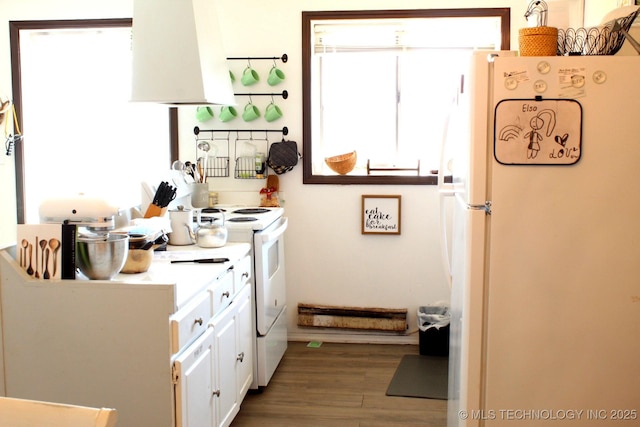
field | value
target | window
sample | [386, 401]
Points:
[381, 83]
[71, 89]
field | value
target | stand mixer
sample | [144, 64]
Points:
[94, 214]
[98, 255]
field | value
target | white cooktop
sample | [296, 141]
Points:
[244, 217]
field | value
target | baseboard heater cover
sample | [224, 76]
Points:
[371, 319]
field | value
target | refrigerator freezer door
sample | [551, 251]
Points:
[472, 123]
[468, 141]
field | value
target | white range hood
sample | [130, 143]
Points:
[178, 56]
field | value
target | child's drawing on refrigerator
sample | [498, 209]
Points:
[551, 136]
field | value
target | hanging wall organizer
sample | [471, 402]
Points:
[249, 147]
[248, 144]
[284, 58]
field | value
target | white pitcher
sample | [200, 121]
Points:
[181, 227]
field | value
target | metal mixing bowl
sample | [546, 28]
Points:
[101, 258]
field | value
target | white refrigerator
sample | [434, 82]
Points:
[545, 242]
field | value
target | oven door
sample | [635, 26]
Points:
[271, 292]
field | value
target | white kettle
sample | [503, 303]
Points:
[181, 227]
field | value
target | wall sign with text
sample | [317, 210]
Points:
[380, 214]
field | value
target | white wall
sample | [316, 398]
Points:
[31, 10]
[328, 260]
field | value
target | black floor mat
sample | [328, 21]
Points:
[420, 376]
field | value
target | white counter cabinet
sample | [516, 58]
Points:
[214, 373]
[121, 343]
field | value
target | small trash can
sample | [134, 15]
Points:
[433, 322]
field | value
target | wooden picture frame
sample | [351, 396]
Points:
[381, 214]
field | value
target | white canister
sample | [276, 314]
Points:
[181, 227]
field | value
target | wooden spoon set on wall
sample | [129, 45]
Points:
[40, 259]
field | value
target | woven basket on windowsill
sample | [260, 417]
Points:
[342, 164]
[538, 41]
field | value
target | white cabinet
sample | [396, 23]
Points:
[233, 352]
[224, 328]
[157, 347]
[190, 322]
[245, 342]
[194, 370]
[214, 373]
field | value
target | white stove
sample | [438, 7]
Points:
[264, 229]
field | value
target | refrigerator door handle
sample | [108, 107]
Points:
[486, 207]
[444, 191]
[444, 238]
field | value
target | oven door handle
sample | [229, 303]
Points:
[275, 234]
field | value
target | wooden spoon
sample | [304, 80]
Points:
[23, 253]
[54, 244]
[46, 265]
[30, 269]
[43, 244]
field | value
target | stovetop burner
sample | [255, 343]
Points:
[213, 210]
[242, 219]
[249, 211]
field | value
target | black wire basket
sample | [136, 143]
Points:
[605, 40]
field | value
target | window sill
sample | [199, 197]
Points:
[373, 179]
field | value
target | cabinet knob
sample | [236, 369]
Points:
[245, 274]
[216, 393]
[198, 321]
[226, 294]
[240, 357]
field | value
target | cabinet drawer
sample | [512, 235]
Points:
[188, 323]
[221, 293]
[242, 272]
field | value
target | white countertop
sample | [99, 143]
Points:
[186, 279]
[190, 278]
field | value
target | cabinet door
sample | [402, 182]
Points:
[194, 373]
[225, 358]
[245, 340]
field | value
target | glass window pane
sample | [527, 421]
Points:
[429, 81]
[81, 132]
[358, 104]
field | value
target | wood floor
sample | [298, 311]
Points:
[338, 385]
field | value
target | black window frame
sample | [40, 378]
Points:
[307, 51]
[16, 72]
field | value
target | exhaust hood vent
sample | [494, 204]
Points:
[178, 56]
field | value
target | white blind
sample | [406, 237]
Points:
[419, 33]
